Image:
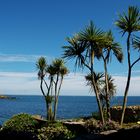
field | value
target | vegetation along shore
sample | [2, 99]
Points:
[84, 47]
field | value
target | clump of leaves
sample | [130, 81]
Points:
[109, 125]
[55, 131]
[91, 125]
[94, 126]
[20, 123]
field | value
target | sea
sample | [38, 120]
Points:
[68, 106]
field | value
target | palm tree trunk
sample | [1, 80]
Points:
[56, 99]
[107, 91]
[125, 96]
[95, 86]
[41, 87]
[55, 109]
[98, 100]
[128, 79]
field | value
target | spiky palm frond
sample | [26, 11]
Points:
[98, 78]
[91, 33]
[51, 70]
[136, 43]
[57, 63]
[129, 22]
[64, 71]
[93, 37]
[112, 47]
[41, 65]
[74, 51]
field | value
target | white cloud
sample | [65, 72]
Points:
[74, 84]
[27, 83]
[20, 58]
[134, 89]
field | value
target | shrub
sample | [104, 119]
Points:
[91, 125]
[55, 131]
[21, 123]
[94, 126]
[109, 125]
[96, 115]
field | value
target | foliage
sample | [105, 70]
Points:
[96, 115]
[20, 123]
[55, 131]
[51, 77]
[84, 47]
[91, 125]
[94, 126]
[129, 23]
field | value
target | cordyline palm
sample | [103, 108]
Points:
[84, 47]
[101, 85]
[129, 23]
[42, 65]
[109, 47]
[111, 89]
[98, 77]
[60, 72]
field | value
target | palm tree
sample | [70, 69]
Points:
[85, 47]
[60, 71]
[110, 47]
[129, 23]
[111, 89]
[101, 85]
[49, 97]
[98, 77]
[42, 66]
[55, 73]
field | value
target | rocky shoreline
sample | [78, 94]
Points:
[6, 97]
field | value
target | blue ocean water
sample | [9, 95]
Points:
[68, 107]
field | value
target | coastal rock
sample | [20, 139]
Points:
[6, 97]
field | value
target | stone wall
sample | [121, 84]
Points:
[132, 113]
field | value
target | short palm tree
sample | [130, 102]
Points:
[101, 85]
[84, 47]
[42, 67]
[60, 72]
[55, 73]
[129, 23]
[111, 90]
[110, 47]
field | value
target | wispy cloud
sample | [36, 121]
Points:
[74, 84]
[21, 58]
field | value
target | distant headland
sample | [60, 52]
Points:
[6, 97]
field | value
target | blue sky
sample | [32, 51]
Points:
[33, 28]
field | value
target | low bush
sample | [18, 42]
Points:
[21, 125]
[55, 131]
[94, 126]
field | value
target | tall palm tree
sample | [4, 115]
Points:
[110, 47]
[129, 23]
[85, 47]
[60, 72]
